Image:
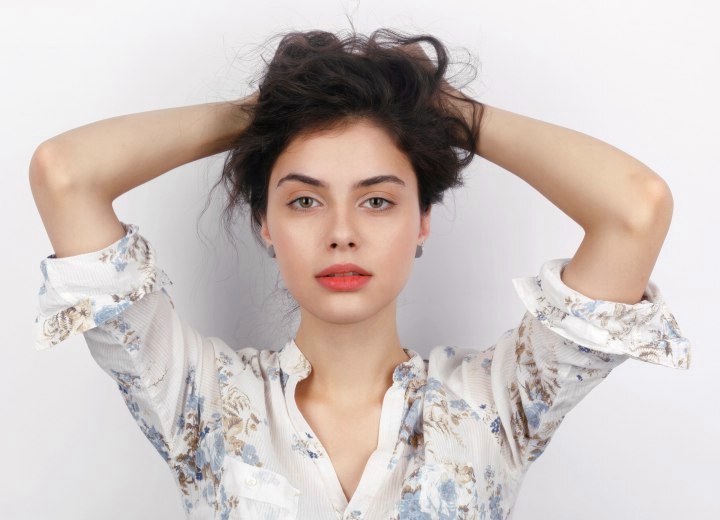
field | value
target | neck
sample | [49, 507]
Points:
[352, 363]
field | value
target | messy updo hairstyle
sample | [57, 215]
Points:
[318, 81]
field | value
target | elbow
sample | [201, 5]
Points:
[654, 208]
[46, 168]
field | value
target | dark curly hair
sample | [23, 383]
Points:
[318, 81]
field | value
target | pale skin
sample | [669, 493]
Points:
[351, 339]
[624, 206]
[356, 330]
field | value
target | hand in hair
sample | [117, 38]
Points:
[450, 98]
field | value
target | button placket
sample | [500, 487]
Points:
[322, 462]
[258, 492]
[296, 367]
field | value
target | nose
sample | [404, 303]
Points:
[335, 245]
[343, 233]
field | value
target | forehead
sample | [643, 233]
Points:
[344, 155]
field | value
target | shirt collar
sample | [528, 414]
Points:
[294, 363]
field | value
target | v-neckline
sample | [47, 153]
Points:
[296, 367]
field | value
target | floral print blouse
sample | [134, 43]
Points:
[457, 433]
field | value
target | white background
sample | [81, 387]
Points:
[641, 75]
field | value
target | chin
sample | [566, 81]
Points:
[345, 313]
[335, 313]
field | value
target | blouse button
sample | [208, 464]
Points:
[250, 481]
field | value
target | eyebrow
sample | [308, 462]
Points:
[370, 181]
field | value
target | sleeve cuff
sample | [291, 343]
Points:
[83, 291]
[646, 330]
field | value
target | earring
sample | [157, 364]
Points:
[271, 251]
[419, 250]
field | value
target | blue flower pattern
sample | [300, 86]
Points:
[470, 425]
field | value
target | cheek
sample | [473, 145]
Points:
[396, 253]
[399, 236]
[296, 250]
[299, 257]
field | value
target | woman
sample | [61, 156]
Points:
[339, 158]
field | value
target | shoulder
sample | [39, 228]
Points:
[450, 356]
[262, 363]
[444, 360]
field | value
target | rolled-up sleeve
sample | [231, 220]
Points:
[564, 345]
[116, 298]
[84, 291]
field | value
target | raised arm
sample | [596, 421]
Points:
[585, 317]
[624, 207]
[105, 282]
[76, 175]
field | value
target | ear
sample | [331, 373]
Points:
[425, 225]
[265, 233]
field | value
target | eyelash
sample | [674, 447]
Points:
[292, 202]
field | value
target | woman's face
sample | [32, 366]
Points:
[313, 227]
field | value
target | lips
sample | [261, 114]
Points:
[341, 269]
[343, 283]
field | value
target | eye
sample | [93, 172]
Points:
[305, 198]
[291, 204]
[390, 204]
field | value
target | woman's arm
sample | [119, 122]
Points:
[593, 182]
[118, 154]
[75, 176]
[624, 207]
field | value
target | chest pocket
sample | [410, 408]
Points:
[258, 493]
